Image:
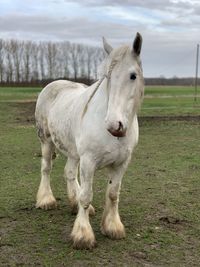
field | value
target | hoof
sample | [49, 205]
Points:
[113, 234]
[46, 203]
[113, 230]
[83, 243]
[82, 236]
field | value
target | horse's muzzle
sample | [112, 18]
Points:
[119, 132]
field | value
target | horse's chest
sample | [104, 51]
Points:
[113, 155]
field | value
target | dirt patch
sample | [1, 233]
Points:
[139, 258]
[24, 112]
[25, 115]
[173, 223]
[171, 220]
[7, 225]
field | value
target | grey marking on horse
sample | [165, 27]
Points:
[58, 143]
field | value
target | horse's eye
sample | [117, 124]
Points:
[133, 76]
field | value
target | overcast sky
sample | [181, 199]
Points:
[170, 28]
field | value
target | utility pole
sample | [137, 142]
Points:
[196, 76]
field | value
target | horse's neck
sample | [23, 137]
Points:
[97, 93]
[102, 94]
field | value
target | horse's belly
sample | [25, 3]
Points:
[63, 141]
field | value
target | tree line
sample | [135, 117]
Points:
[29, 62]
[37, 63]
[189, 81]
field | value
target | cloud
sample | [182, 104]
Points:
[170, 28]
[62, 28]
[150, 4]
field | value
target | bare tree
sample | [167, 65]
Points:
[35, 56]
[63, 60]
[16, 48]
[51, 54]
[82, 62]
[99, 55]
[41, 60]
[89, 52]
[9, 68]
[27, 60]
[75, 56]
[66, 59]
[2, 55]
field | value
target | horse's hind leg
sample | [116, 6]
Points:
[45, 198]
[73, 187]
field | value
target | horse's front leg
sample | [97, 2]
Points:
[70, 174]
[111, 224]
[82, 234]
[73, 187]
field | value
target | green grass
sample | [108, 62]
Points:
[169, 101]
[18, 93]
[159, 202]
[170, 106]
[169, 90]
[159, 100]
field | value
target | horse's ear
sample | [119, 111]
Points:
[108, 48]
[137, 44]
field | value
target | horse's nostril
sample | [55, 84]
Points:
[120, 126]
[117, 129]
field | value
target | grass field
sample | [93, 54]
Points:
[169, 90]
[159, 206]
[159, 100]
[174, 100]
[18, 93]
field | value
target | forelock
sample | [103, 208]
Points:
[119, 53]
[115, 56]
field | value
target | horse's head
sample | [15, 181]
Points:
[125, 85]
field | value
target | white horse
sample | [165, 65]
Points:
[94, 127]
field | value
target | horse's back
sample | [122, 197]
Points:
[48, 96]
[53, 89]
